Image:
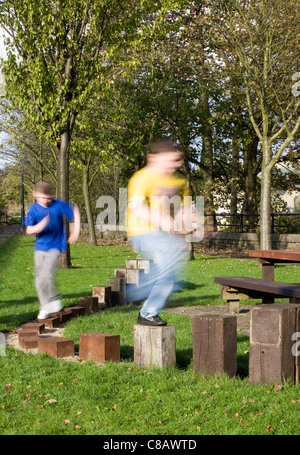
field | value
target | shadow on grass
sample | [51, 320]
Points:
[196, 301]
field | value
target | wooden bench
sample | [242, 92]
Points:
[235, 288]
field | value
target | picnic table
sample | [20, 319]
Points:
[235, 288]
[268, 258]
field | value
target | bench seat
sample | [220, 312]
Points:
[235, 288]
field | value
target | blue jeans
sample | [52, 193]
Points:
[167, 251]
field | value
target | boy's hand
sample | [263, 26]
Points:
[39, 227]
[42, 224]
[75, 229]
[73, 237]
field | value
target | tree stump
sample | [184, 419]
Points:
[154, 346]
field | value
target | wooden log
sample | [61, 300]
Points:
[154, 346]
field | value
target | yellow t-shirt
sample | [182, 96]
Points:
[160, 192]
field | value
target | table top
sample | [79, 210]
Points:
[274, 255]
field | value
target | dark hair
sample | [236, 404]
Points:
[163, 145]
[44, 188]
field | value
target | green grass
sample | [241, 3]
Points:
[42, 395]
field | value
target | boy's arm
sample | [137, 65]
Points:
[37, 228]
[141, 209]
[75, 227]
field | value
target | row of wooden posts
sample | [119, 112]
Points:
[272, 354]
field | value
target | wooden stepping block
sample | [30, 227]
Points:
[90, 304]
[76, 311]
[215, 344]
[271, 357]
[118, 290]
[37, 327]
[120, 273]
[29, 342]
[131, 264]
[139, 263]
[144, 264]
[27, 333]
[56, 346]
[134, 276]
[64, 316]
[154, 346]
[50, 323]
[100, 347]
[103, 293]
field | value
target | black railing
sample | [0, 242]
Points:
[248, 222]
[238, 222]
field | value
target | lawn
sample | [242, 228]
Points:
[41, 395]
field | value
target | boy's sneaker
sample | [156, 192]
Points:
[43, 315]
[53, 307]
[151, 320]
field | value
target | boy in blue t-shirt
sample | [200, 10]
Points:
[45, 219]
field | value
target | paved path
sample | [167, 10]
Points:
[243, 317]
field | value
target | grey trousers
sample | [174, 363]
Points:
[45, 266]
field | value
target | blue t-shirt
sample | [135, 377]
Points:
[54, 235]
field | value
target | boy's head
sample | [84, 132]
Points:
[164, 156]
[43, 193]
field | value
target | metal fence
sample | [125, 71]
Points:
[281, 223]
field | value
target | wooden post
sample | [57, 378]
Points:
[271, 331]
[296, 347]
[104, 295]
[154, 346]
[118, 290]
[100, 347]
[215, 344]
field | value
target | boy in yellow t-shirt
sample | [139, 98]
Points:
[158, 213]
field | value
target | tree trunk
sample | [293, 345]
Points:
[265, 200]
[207, 162]
[250, 175]
[63, 185]
[234, 180]
[88, 208]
